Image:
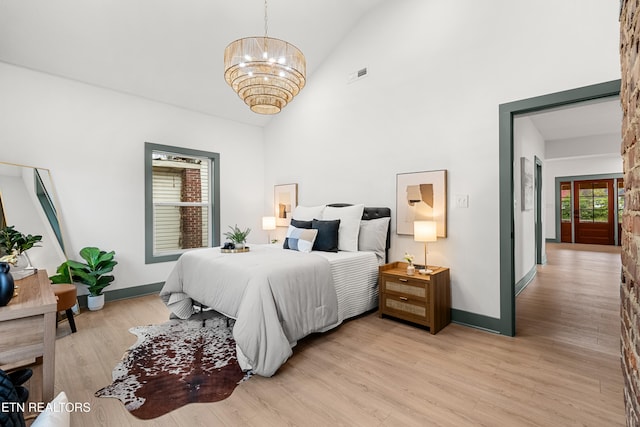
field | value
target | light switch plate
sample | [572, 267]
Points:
[462, 200]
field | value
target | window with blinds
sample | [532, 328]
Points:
[180, 201]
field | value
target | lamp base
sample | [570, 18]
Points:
[425, 271]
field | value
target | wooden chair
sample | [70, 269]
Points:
[66, 295]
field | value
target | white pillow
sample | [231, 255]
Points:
[55, 413]
[307, 213]
[349, 217]
[373, 236]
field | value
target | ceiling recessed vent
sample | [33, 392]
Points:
[357, 75]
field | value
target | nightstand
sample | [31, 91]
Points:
[422, 299]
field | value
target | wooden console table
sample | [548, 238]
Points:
[28, 328]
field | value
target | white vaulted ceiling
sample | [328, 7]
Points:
[166, 50]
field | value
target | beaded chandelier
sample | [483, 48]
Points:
[266, 73]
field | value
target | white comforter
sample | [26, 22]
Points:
[276, 296]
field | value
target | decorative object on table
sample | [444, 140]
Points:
[177, 363]
[13, 249]
[6, 284]
[421, 196]
[266, 73]
[230, 248]
[285, 199]
[92, 273]
[425, 231]
[269, 224]
[411, 269]
[237, 236]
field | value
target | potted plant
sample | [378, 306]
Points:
[237, 236]
[13, 244]
[92, 273]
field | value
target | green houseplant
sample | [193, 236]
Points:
[237, 236]
[13, 244]
[93, 273]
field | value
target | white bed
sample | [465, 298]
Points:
[279, 296]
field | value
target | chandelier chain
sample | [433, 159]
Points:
[266, 25]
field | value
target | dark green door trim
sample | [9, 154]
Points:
[538, 182]
[507, 323]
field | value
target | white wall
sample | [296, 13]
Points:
[573, 166]
[92, 140]
[528, 143]
[438, 71]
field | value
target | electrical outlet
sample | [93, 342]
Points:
[462, 200]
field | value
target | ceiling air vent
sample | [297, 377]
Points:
[357, 75]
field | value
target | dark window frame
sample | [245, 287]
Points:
[214, 196]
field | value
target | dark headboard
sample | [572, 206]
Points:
[373, 213]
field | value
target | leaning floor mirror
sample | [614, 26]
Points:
[28, 204]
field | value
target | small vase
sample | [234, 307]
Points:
[411, 270]
[239, 245]
[6, 284]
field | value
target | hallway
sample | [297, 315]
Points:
[572, 307]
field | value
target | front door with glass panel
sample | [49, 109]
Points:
[594, 206]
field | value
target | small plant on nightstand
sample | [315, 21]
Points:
[409, 259]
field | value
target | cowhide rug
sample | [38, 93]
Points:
[176, 363]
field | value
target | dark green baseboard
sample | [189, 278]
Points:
[132, 292]
[478, 321]
[522, 283]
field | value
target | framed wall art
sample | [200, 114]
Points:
[421, 196]
[285, 199]
[526, 183]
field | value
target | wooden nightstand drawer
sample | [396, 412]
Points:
[421, 299]
[405, 287]
[405, 308]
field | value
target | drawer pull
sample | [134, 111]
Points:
[404, 299]
[403, 280]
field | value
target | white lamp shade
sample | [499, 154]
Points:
[424, 231]
[268, 222]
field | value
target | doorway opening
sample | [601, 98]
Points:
[507, 112]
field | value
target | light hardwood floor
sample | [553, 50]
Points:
[562, 368]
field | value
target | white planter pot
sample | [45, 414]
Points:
[95, 302]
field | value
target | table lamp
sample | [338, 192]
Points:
[268, 224]
[425, 231]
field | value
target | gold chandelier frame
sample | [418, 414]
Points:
[265, 72]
